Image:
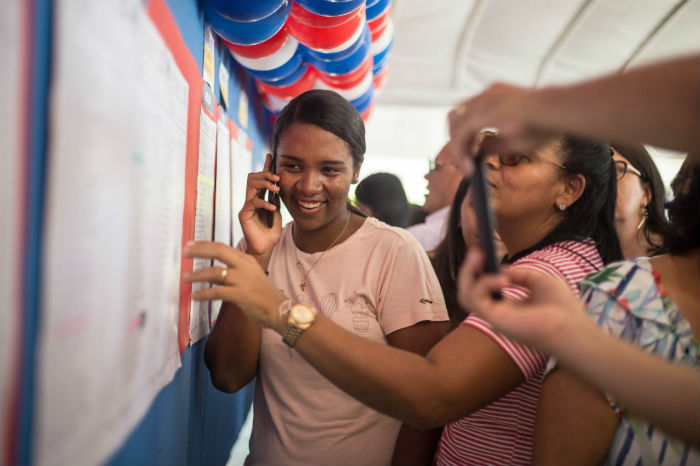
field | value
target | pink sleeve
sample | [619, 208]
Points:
[412, 292]
[530, 361]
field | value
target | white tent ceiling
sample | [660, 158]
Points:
[447, 50]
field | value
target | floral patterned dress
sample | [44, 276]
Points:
[626, 300]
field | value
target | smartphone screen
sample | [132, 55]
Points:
[484, 216]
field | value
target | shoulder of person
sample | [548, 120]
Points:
[619, 274]
[387, 234]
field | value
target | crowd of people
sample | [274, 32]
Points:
[376, 342]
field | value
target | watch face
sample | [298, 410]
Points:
[303, 314]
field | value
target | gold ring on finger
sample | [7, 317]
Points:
[224, 274]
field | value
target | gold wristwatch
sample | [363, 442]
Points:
[300, 318]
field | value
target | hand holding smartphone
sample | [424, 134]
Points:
[268, 217]
[484, 216]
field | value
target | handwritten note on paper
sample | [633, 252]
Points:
[204, 219]
[114, 211]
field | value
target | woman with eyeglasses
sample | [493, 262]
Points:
[624, 392]
[639, 212]
[552, 213]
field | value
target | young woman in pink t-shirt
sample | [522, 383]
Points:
[372, 280]
[553, 214]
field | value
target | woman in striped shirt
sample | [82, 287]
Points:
[554, 210]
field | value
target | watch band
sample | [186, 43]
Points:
[292, 334]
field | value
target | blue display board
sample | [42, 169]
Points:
[189, 422]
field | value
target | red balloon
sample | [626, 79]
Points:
[331, 37]
[304, 16]
[263, 49]
[381, 78]
[378, 24]
[305, 83]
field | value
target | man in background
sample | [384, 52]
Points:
[443, 180]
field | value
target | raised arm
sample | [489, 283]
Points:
[233, 350]
[463, 372]
[657, 104]
[553, 320]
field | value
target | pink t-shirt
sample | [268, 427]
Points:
[375, 282]
[502, 432]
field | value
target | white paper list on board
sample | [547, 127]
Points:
[204, 219]
[222, 197]
[10, 245]
[241, 164]
[114, 209]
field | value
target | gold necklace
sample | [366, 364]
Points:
[305, 280]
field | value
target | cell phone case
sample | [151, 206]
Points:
[484, 216]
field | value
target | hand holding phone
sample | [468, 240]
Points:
[484, 216]
[273, 198]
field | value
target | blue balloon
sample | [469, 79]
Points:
[331, 7]
[249, 32]
[291, 79]
[345, 61]
[363, 102]
[376, 7]
[245, 10]
[381, 58]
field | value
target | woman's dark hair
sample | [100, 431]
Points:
[656, 220]
[682, 234]
[449, 255]
[593, 213]
[329, 111]
[384, 195]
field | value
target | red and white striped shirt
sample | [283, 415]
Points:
[502, 432]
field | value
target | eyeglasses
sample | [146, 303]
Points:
[511, 160]
[622, 167]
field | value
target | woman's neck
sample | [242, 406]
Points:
[521, 235]
[634, 243]
[322, 239]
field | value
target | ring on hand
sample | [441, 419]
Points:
[224, 274]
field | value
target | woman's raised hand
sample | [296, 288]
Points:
[260, 238]
[543, 320]
[509, 111]
[242, 281]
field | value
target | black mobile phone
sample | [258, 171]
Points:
[272, 198]
[484, 216]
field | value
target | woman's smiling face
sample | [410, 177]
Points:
[316, 169]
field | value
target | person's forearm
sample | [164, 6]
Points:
[232, 350]
[666, 394]
[657, 104]
[398, 383]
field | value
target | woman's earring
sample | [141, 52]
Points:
[645, 216]
[562, 207]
